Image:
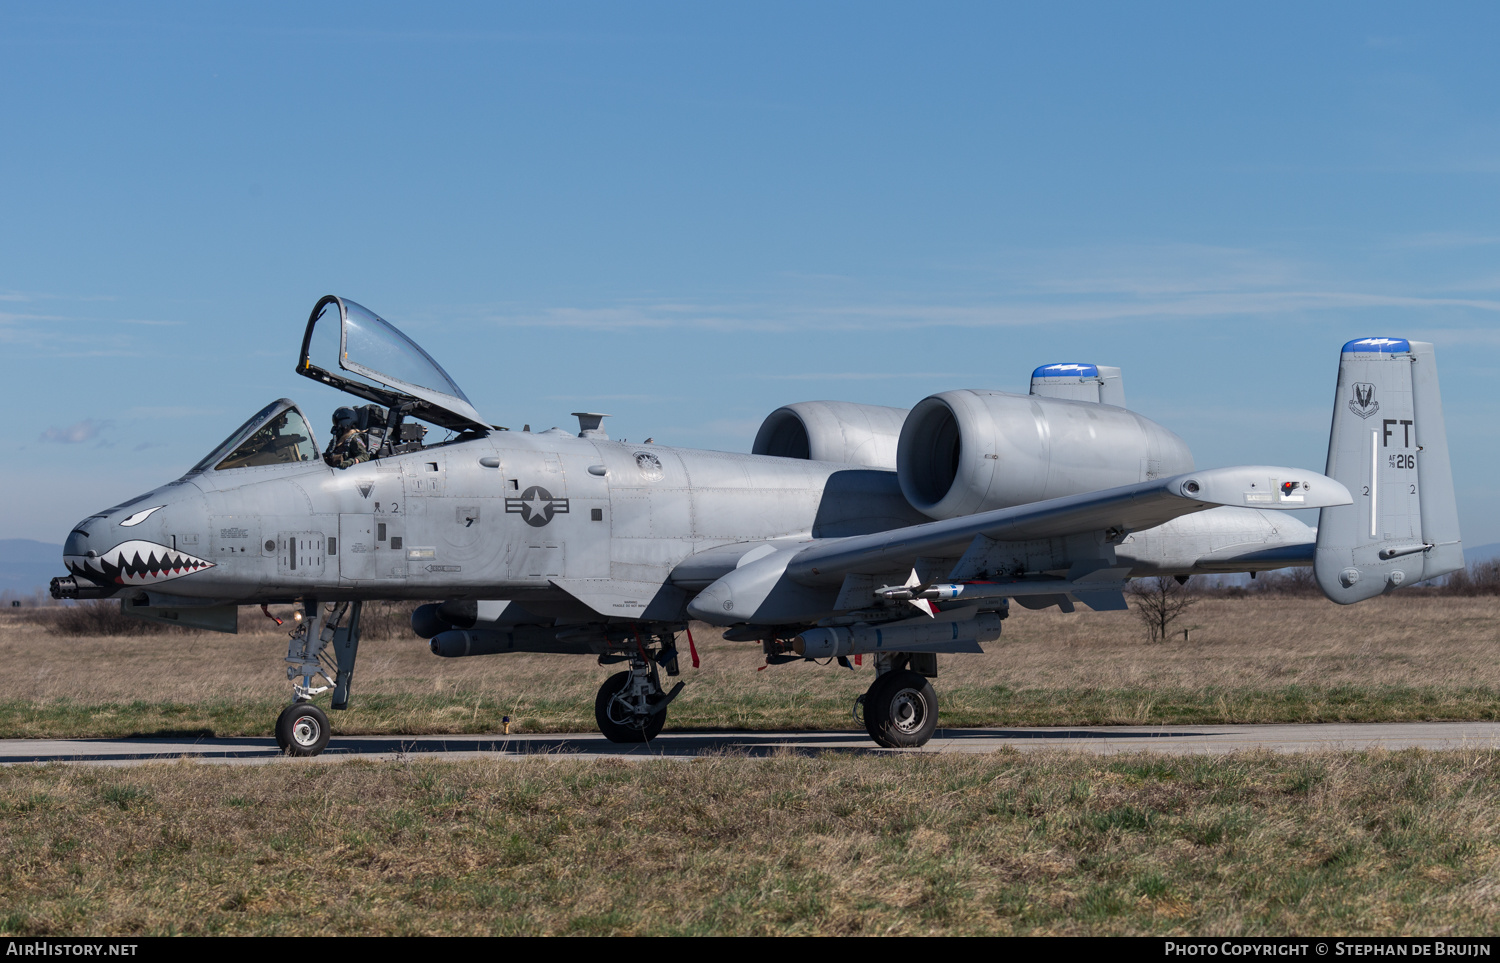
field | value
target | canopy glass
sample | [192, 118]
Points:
[277, 434]
[350, 347]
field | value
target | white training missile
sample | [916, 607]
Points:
[967, 591]
[906, 593]
[963, 636]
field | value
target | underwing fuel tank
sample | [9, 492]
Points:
[925, 636]
[458, 643]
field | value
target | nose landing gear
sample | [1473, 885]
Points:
[302, 729]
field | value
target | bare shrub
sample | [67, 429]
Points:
[102, 617]
[1481, 578]
[1221, 587]
[1293, 582]
[1478, 579]
[1159, 601]
[1282, 583]
[387, 620]
[98, 617]
[35, 599]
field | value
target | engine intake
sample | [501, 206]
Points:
[972, 450]
[837, 431]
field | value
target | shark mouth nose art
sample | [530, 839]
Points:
[136, 562]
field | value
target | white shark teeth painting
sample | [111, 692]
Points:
[136, 562]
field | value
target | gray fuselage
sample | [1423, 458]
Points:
[510, 514]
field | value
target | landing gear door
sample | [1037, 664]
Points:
[353, 349]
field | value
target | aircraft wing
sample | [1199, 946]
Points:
[1075, 533]
[1121, 510]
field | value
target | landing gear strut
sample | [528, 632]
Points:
[631, 706]
[900, 709]
[302, 729]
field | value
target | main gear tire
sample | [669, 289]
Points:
[302, 730]
[901, 710]
[616, 721]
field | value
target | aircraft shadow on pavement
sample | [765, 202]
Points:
[1063, 734]
[677, 744]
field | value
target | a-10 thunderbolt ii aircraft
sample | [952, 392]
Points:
[850, 530]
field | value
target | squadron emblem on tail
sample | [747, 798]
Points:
[1363, 402]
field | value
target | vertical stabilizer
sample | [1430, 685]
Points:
[1098, 383]
[1389, 447]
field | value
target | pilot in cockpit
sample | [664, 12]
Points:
[349, 445]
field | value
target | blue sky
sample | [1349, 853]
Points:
[689, 214]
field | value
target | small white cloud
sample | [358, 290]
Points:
[86, 430]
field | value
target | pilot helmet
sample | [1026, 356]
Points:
[345, 418]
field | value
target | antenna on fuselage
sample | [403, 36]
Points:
[589, 424]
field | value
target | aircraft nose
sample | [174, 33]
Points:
[142, 542]
[78, 540]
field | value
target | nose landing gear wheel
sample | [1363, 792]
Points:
[617, 718]
[302, 730]
[901, 710]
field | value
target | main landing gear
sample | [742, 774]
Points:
[302, 729]
[900, 709]
[632, 706]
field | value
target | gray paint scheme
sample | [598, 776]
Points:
[1044, 499]
[837, 431]
[970, 450]
[705, 512]
[1100, 383]
[1389, 444]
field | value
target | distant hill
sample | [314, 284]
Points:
[1482, 553]
[26, 565]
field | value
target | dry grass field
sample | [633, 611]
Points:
[858, 843]
[1269, 659]
[1035, 843]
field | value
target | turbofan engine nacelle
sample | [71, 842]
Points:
[972, 450]
[837, 431]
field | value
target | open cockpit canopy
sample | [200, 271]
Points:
[351, 348]
[275, 435]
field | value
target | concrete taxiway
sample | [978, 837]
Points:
[1101, 740]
